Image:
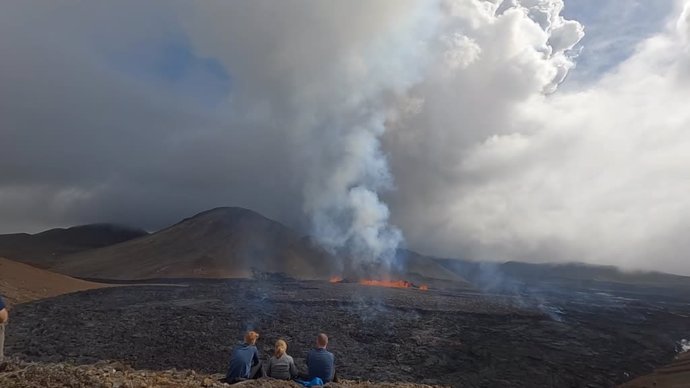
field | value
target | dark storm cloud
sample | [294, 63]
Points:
[92, 133]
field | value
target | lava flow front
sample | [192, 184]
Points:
[386, 283]
[383, 283]
[335, 279]
[393, 284]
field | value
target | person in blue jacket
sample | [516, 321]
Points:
[244, 361]
[321, 362]
[3, 321]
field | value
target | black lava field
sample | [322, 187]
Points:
[541, 338]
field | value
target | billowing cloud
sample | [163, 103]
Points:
[359, 122]
[597, 174]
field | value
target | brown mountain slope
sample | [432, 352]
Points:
[674, 375]
[223, 242]
[21, 283]
[45, 248]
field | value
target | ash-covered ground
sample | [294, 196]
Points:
[559, 338]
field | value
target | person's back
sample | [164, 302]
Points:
[281, 366]
[321, 362]
[243, 358]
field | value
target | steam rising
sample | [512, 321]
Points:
[356, 122]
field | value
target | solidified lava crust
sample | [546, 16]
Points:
[458, 338]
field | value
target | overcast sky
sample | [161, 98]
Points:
[491, 130]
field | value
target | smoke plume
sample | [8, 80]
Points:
[356, 122]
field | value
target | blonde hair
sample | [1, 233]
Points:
[281, 348]
[251, 337]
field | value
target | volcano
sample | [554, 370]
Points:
[231, 242]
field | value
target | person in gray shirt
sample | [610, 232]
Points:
[281, 366]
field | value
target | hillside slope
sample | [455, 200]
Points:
[21, 283]
[674, 375]
[45, 248]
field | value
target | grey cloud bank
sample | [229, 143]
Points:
[358, 122]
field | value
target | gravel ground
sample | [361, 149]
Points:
[17, 374]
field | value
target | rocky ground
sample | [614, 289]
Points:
[553, 338]
[18, 374]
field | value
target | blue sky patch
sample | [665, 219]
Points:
[174, 64]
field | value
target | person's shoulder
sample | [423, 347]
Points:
[289, 358]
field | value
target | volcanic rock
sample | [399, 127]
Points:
[566, 338]
[18, 374]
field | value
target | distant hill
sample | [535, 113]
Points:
[21, 283]
[430, 270]
[512, 276]
[589, 272]
[222, 242]
[45, 248]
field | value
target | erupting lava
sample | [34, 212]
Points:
[393, 284]
[386, 283]
[383, 283]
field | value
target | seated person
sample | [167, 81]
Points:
[321, 362]
[281, 366]
[244, 360]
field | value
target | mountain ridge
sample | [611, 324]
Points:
[45, 248]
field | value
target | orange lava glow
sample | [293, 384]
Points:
[424, 287]
[386, 283]
[335, 279]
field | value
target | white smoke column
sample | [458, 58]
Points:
[346, 178]
[347, 212]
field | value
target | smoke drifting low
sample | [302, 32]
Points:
[356, 122]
